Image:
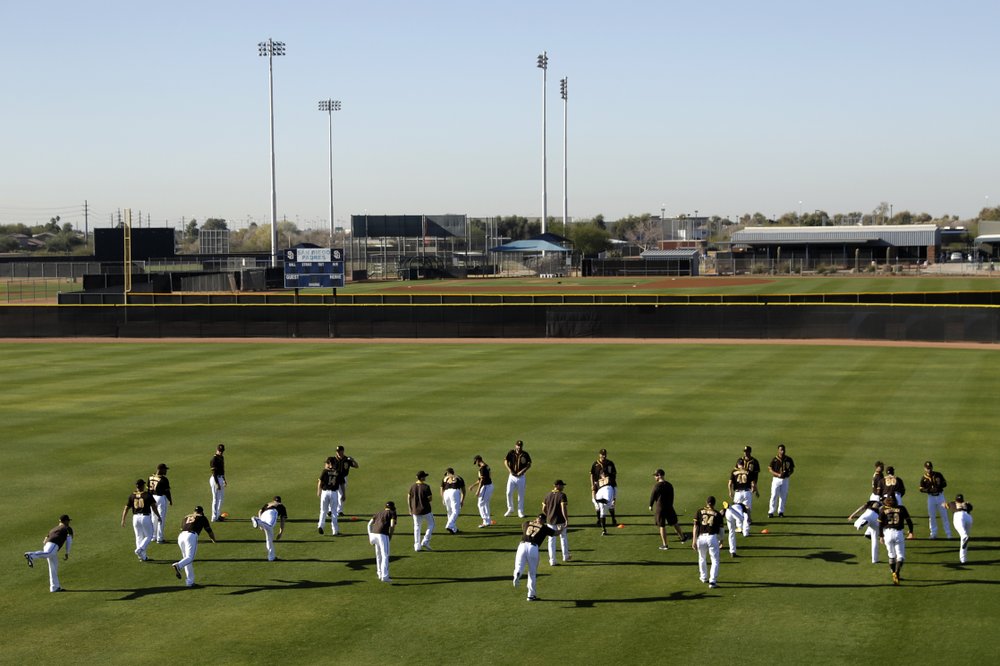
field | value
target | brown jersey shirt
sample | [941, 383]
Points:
[382, 521]
[535, 532]
[552, 507]
[140, 503]
[420, 499]
[59, 534]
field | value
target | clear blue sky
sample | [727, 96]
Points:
[726, 107]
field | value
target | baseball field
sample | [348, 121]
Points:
[83, 421]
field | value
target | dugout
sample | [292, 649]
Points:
[677, 262]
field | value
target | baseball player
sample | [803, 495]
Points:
[419, 499]
[532, 534]
[159, 488]
[894, 484]
[453, 497]
[344, 463]
[661, 502]
[741, 490]
[736, 518]
[217, 481]
[517, 462]
[781, 467]
[890, 522]
[484, 490]
[328, 491]
[272, 513]
[59, 536]
[187, 541]
[604, 489]
[933, 484]
[878, 482]
[753, 471]
[141, 504]
[962, 519]
[380, 530]
[868, 518]
[557, 519]
[705, 540]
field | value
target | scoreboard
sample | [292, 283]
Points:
[314, 267]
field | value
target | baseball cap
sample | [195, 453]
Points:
[421, 474]
[747, 449]
[65, 519]
[959, 497]
[559, 482]
[199, 510]
[162, 466]
[390, 505]
[340, 447]
[659, 472]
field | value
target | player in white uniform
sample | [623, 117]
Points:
[271, 514]
[933, 484]
[518, 462]
[59, 536]
[159, 488]
[453, 497]
[891, 518]
[343, 464]
[380, 530]
[187, 541]
[141, 504]
[736, 518]
[604, 489]
[781, 467]
[868, 519]
[484, 491]
[707, 525]
[741, 490]
[533, 533]
[328, 491]
[962, 520]
[217, 482]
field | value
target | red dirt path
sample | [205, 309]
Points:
[475, 286]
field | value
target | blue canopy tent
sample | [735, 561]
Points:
[525, 246]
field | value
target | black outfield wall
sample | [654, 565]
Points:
[773, 321]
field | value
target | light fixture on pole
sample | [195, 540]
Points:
[543, 64]
[563, 90]
[271, 48]
[330, 105]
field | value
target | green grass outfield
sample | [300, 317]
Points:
[82, 421]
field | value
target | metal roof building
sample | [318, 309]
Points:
[842, 245]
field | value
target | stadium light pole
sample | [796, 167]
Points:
[543, 64]
[563, 92]
[330, 105]
[271, 48]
